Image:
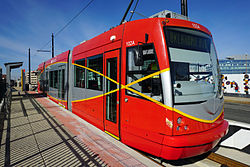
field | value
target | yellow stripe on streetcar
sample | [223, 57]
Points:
[139, 93]
[97, 73]
[148, 76]
[114, 136]
[57, 99]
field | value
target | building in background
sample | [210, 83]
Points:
[33, 79]
[235, 65]
[235, 70]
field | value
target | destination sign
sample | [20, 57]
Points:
[177, 39]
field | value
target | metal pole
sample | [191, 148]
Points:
[184, 7]
[246, 63]
[52, 45]
[129, 6]
[29, 67]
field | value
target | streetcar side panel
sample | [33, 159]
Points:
[89, 79]
[56, 75]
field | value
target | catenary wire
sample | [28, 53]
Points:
[71, 20]
[133, 10]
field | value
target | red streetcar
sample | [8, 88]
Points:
[154, 84]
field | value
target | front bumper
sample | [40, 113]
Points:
[184, 146]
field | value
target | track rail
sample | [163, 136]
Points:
[225, 160]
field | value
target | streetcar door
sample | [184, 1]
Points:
[61, 83]
[111, 99]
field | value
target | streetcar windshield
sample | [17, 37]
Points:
[193, 65]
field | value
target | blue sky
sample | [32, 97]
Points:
[29, 23]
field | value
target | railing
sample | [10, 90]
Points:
[5, 97]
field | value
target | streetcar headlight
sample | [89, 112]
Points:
[179, 120]
[178, 128]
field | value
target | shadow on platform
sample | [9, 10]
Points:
[31, 136]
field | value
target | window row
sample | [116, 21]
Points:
[141, 62]
[86, 78]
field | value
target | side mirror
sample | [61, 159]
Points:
[138, 56]
[178, 85]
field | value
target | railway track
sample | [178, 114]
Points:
[225, 161]
[219, 159]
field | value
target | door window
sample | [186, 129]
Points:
[111, 104]
[138, 68]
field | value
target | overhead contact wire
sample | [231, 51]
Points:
[67, 24]
[133, 10]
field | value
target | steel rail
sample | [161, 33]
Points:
[220, 159]
[225, 160]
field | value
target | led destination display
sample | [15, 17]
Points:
[177, 39]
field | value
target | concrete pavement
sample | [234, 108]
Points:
[33, 138]
[41, 133]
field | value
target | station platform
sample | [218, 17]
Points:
[38, 132]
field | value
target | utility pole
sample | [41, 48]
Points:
[52, 45]
[29, 67]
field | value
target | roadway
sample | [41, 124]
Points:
[236, 142]
[237, 112]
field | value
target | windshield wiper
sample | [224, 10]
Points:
[202, 78]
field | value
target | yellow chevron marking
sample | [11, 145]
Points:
[139, 93]
[96, 73]
[148, 76]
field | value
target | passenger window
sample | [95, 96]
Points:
[79, 74]
[138, 68]
[53, 79]
[95, 80]
[50, 79]
[46, 81]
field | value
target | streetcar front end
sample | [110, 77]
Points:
[196, 90]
